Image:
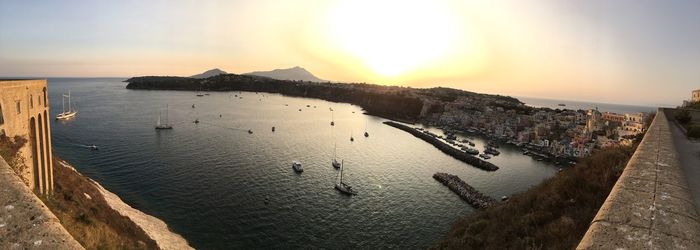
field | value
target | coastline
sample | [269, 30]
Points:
[154, 228]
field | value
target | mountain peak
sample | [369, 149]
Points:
[209, 73]
[295, 73]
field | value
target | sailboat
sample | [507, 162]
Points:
[342, 186]
[66, 114]
[335, 162]
[332, 119]
[165, 125]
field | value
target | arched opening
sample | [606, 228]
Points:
[35, 153]
[49, 157]
[42, 166]
[46, 100]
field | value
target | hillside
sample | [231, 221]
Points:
[292, 74]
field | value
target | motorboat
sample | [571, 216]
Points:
[297, 167]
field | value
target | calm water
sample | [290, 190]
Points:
[209, 182]
[574, 105]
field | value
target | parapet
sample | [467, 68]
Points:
[25, 222]
[650, 206]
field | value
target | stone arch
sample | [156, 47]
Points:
[46, 99]
[35, 154]
[41, 155]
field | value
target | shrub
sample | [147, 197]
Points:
[694, 131]
[683, 116]
[552, 215]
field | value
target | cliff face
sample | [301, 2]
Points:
[391, 102]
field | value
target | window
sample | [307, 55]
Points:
[31, 101]
[38, 99]
[19, 107]
[2, 121]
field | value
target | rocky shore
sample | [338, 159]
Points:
[153, 227]
[445, 148]
[466, 192]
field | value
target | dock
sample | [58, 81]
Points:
[446, 148]
[466, 192]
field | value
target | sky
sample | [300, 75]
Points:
[624, 51]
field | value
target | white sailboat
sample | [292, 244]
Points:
[335, 162]
[342, 186]
[64, 115]
[165, 125]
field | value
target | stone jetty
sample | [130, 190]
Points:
[446, 148]
[466, 192]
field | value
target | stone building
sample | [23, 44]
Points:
[24, 112]
[696, 96]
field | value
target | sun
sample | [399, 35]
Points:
[393, 37]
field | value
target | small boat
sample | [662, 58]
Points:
[332, 118]
[196, 121]
[366, 134]
[504, 198]
[192, 105]
[273, 129]
[250, 131]
[206, 94]
[342, 186]
[471, 144]
[561, 105]
[308, 106]
[352, 139]
[94, 147]
[297, 167]
[165, 125]
[485, 156]
[200, 94]
[299, 109]
[64, 115]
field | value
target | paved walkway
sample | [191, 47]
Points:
[689, 157]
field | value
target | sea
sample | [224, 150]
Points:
[576, 105]
[221, 187]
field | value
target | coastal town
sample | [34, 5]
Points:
[560, 135]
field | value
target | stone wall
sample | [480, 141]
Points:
[650, 206]
[24, 111]
[25, 222]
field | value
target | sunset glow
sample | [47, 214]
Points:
[536, 48]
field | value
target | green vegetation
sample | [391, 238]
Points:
[683, 116]
[9, 150]
[694, 131]
[83, 211]
[552, 215]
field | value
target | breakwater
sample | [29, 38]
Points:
[446, 148]
[466, 192]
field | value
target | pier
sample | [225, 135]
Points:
[466, 192]
[446, 148]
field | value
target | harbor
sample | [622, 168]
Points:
[246, 182]
[446, 148]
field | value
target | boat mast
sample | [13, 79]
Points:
[158, 124]
[69, 107]
[334, 150]
[166, 114]
[341, 171]
[63, 103]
